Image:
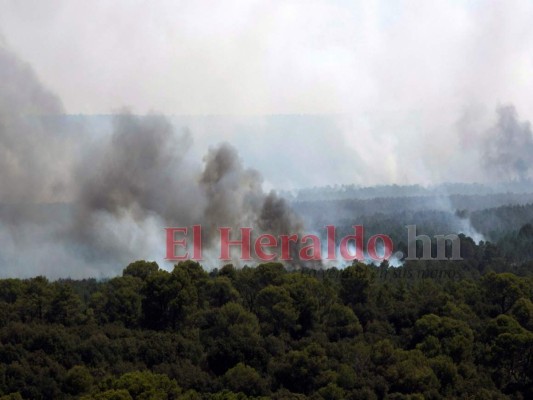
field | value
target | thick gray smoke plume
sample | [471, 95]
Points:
[70, 206]
[137, 169]
[129, 186]
[233, 193]
[235, 197]
[508, 147]
[32, 160]
[142, 177]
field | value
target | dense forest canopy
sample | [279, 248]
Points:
[363, 332]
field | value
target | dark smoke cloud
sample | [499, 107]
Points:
[74, 206]
[142, 176]
[233, 193]
[235, 198]
[276, 216]
[135, 175]
[508, 147]
[139, 170]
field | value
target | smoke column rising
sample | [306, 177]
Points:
[508, 147]
[118, 194]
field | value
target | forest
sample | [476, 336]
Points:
[425, 330]
[124, 122]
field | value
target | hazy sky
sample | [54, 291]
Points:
[416, 82]
[265, 57]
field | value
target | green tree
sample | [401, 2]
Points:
[356, 282]
[504, 289]
[145, 385]
[276, 310]
[231, 335]
[341, 322]
[141, 269]
[443, 335]
[119, 300]
[65, 306]
[78, 380]
[245, 379]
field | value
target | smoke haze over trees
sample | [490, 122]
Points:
[82, 203]
[120, 119]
